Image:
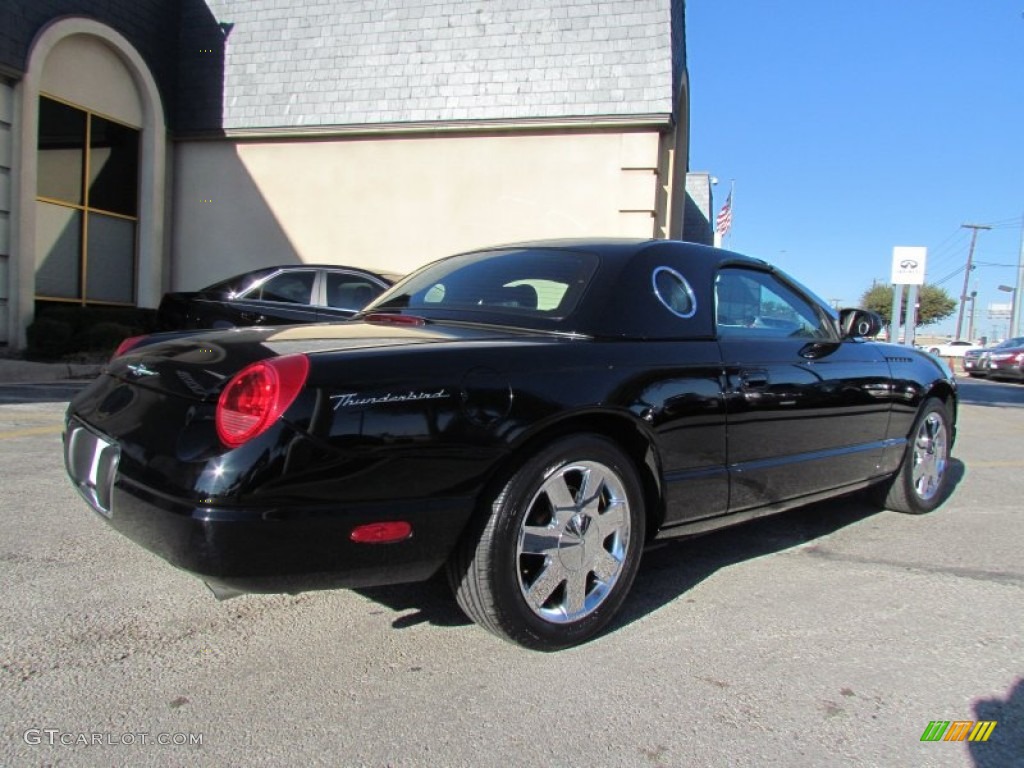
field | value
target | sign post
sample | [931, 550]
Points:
[908, 267]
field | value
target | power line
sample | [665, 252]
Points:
[948, 249]
[949, 277]
[1008, 223]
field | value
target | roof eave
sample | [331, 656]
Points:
[652, 122]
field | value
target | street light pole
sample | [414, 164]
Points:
[1016, 310]
[970, 321]
[1012, 328]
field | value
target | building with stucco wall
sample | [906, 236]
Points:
[151, 145]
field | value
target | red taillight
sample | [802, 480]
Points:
[381, 533]
[126, 346]
[257, 396]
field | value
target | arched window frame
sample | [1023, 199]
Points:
[151, 267]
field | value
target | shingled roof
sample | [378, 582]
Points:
[310, 63]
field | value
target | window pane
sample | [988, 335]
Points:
[110, 259]
[58, 251]
[61, 151]
[345, 291]
[755, 304]
[113, 167]
[292, 287]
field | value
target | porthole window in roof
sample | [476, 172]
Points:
[674, 292]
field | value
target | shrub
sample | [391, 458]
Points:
[66, 330]
[104, 337]
[49, 339]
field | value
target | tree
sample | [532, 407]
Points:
[933, 303]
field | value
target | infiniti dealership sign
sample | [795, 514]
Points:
[908, 265]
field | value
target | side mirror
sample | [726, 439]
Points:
[854, 323]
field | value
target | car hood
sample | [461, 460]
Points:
[197, 365]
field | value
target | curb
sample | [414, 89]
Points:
[26, 372]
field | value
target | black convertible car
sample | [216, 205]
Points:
[525, 417]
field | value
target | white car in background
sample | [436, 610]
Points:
[951, 348]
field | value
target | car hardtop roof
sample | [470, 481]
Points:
[624, 248]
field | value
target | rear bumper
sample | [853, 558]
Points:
[292, 542]
[294, 550]
[1005, 370]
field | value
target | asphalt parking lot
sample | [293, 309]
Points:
[828, 636]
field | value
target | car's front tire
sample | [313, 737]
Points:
[556, 554]
[922, 482]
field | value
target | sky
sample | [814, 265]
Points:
[849, 128]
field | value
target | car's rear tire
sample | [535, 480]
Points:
[922, 482]
[553, 558]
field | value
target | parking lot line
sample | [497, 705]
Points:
[49, 429]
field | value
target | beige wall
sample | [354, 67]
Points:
[392, 204]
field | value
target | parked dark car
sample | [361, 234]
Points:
[274, 296]
[1004, 360]
[972, 361]
[526, 418]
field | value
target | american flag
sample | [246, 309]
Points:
[724, 220]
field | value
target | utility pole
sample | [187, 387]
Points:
[967, 274]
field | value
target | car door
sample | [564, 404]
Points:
[284, 298]
[806, 410]
[346, 292]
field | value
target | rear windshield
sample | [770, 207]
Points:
[533, 282]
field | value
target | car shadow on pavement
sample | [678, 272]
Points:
[668, 570]
[429, 601]
[673, 569]
[991, 393]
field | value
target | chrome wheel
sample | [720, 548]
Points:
[553, 560]
[922, 481]
[573, 541]
[931, 455]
